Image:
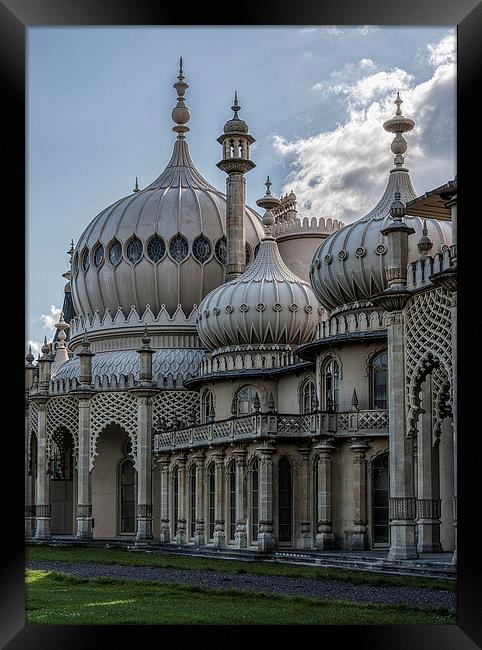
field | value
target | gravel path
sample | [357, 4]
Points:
[333, 589]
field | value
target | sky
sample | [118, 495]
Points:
[99, 104]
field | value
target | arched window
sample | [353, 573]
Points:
[285, 500]
[207, 406]
[220, 250]
[308, 397]
[175, 498]
[232, 500]
[115, 252]
[127, 497]
[62, 455]
[201, 249]
[156, 249]
[246, 400]
[178, 248]
[331, 379]
[380, 484]
[211, 499]
[85, 259]
[254, 519]
[379, 370]
[134, 250]
[192, 499]
[98, 256]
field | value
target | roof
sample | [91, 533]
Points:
[432, 203]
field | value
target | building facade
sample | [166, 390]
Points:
[221, 378]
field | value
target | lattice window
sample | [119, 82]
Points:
[99, 256]
[62, 413]
[248, 253]
[156, 249]
[85, 259]
[201, 249]
[178, 248]
[174, 406]
[220, 250]
[428, 336]
[134, 250]
[113, 408]
[115, 252]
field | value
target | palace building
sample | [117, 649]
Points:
[232, 378]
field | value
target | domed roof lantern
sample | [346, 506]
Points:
[29, 358]
[425, 244]
[235, 124]
[397, 209]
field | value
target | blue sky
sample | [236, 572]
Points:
[99, 104]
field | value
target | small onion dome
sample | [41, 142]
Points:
[266, 305]
[29, 358]
[235, 125]
[350, 265]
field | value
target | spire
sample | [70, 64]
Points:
[398, 124]
[269, 203]
[180, 113]
[136, 186]
[29, 358]
[71, 249]
[235, 107]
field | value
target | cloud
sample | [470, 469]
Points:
[335, 30]
[444, 52]
[341, 173]
[36, 346]
[48, 320]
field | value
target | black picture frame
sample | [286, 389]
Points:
[15, 17]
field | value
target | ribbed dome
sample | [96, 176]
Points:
[349, 266]
[162, 245]
[268, 304]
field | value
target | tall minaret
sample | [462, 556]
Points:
[235, 141]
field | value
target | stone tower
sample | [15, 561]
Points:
[235, 142]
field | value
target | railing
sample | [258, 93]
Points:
[278, 425]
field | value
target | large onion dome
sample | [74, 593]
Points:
[349, 266]
[162, 245]
[267, 305]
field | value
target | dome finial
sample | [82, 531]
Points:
[398, 124]
[29, 358]
[268, 202]
[136, 186]
[397, 209]
[235, 107]
[180, 113]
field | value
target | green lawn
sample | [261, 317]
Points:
[56, 599]
[139, 558]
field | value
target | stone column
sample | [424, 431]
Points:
[84, 476]
[402, 500]
[181, 493]
[428, 493]
[304, 539]
[358, 539]
[144, 465]
[266, 539]
[454, 412]
[29, 480]
[325, 538]
[42, 497]
[165, 537]
[219, 538]
[240, 536]
[199, 531]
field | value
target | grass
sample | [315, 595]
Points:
[56, 599]
[139, 558]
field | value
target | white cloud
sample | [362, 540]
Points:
[35, 345]
[364, 30]
[341, 173]
[48, 320]
[444, 52]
